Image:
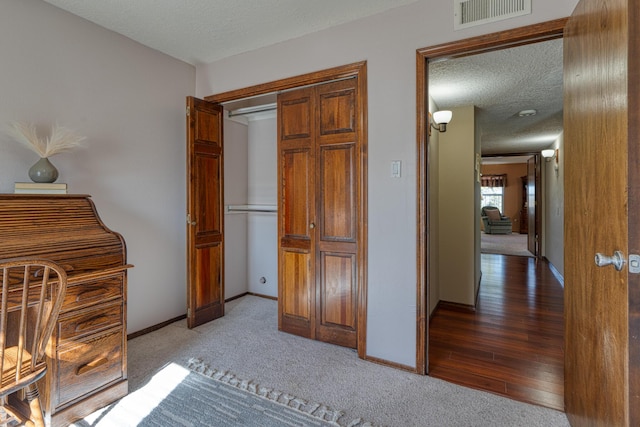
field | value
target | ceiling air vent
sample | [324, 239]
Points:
[468, 13]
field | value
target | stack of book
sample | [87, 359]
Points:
[40, 188]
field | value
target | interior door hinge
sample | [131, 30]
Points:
[188, 111]
[634, 263]
[188, 312]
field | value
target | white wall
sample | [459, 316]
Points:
[263, 232]
[388, 42]
[554, 208]
[129, 101]
[250, 153]
[236, 152]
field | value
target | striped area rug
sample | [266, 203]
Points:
[206, 397]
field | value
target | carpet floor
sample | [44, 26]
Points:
[246, 342]
[504, 244]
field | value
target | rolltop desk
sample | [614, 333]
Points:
[87, 357]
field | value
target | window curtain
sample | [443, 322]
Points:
[494, 180]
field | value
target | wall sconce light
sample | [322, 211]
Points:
[439, 120]
[550, 154]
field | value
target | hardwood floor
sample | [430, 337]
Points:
[513, 344]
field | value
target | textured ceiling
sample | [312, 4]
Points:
[501, 84]
[202, 31]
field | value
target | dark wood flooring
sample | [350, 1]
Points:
[513, 344]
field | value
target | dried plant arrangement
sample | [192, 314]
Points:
[61, 138]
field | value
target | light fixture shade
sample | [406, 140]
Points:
[548, 153]
[444, 116]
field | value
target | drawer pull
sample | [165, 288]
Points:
[90, 366]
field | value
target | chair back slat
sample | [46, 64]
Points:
[36, 345]
[32, 295]
[22, 336]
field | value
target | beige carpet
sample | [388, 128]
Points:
[246, 342]
[504, 244]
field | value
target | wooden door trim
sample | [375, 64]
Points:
[486, 43]
[356, 70]
[634, 204]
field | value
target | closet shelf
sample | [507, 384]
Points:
[252, 208]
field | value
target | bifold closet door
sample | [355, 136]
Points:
[318, 222]
[205, 212]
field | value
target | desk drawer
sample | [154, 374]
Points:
[88, 366]
[83, 294]
[101, 318]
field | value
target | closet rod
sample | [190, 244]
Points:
[252, 208]
[251, 110]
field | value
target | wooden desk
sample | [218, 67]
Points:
[87, 355]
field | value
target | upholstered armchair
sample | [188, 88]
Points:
[494, 222]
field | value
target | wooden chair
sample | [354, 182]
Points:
[32, 294]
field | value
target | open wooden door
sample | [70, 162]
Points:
[205, 212]
[602, 113]
[320, 149]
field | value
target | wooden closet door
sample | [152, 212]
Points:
[205, 212]
[318, 221]
[296, 219]
[336, 203]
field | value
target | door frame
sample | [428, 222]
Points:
[535, 231]
[356, 70]
[486, 43]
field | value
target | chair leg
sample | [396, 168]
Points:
[33, 397]
[10, 416]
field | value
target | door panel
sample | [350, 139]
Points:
[338, 221]
[337, 109]
[597, 383]
[296, 116]
[205, 243]
[296, 189]
[338, 290]
[209, 223]
[296, 295]
[208, 299]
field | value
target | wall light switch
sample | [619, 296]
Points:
[396, 166]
